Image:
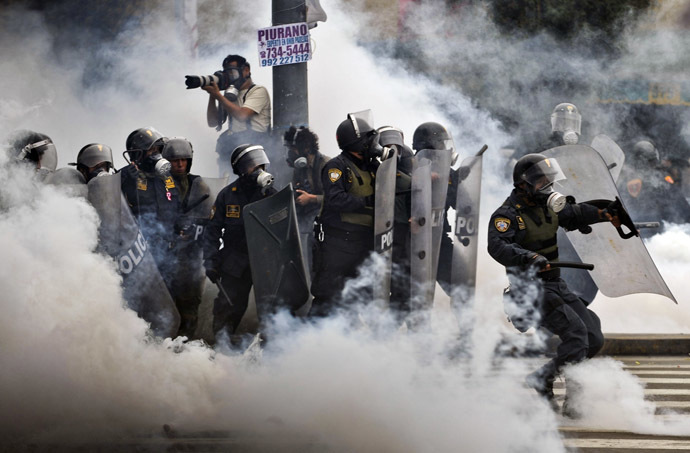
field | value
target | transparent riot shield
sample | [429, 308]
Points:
[275, 252]
[421, 277]
[612, 154]
[464, 267]
[384, 208]
[120, 237]
[622, 266]
[440, 172]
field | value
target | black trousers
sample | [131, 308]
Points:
[227, 317]
[337, 260]
[578, 327]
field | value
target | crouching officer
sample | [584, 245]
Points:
[229, 266]
[522, 237]
[345, 227]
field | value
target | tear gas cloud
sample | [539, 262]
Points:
[75, 361]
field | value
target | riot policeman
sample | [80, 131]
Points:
[226, 256]
[93, 160]
[433, 135]
[566, 123]
[302, 148]
[187, 284]
[345, 227]
[151, 193]
[522, 237]
[34, 149]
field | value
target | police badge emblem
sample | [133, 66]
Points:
[502, 224]
[334, 174]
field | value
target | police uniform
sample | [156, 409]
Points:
[346, 235]
[232, 260]
[516, 233]
[154, 201]
[187, 286]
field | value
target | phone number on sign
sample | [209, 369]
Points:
[285, 60]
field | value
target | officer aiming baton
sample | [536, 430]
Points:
[572, 265]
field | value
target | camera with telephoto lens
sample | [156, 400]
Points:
[221, 78]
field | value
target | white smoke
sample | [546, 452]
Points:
[77, 364]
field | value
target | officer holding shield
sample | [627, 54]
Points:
[522, 237]
[345, 227]
[226, 256]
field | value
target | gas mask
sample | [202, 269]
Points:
[235, 78]
[155, 163]
[555, 201]
[570, 137]
[261, 178]
[300, 162]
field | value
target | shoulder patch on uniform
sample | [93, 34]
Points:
[520, 223]
[169, 183]
[502, 224]
[334, 174]
[234, 189]
[213, 211]
[232, 210]
[142, 184]
[634, 187]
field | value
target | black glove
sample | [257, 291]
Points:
[538, 261]
[212, 275]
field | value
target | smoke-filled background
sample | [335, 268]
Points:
[77, 365]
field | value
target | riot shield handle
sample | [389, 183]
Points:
[616, 208]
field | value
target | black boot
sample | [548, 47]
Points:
[543, 385]
[573, 390]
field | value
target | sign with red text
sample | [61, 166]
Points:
[284, 44]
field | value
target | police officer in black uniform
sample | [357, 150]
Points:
[93, 160]
[432, 135]
[345, 227]
[187, 285]
[229, 265]
[522, 237]
[152, 195]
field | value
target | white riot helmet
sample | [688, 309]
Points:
[566, 119]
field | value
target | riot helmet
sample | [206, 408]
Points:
[431, 135]
[246, 161]
[645, 153]
[33, 148]
[93, 160]
[354, 133]
[387, 140]
[540, 173]
[139, 141]
[566, 120]
[178, 148]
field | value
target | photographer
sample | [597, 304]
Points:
[248, 107]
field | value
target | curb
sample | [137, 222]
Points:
[646, 344]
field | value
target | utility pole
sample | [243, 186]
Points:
[290, 86]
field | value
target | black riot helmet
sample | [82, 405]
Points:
[139, 141]
[247, 156]
[178, 148]
[537, 170]
[645, 153]
[92, 155]
[433, 135]
[34, 148]
[353, 134]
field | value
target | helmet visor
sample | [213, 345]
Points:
[250, 158]
[543, 174]
[566, 121]
[366, 115]
[390, 136]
